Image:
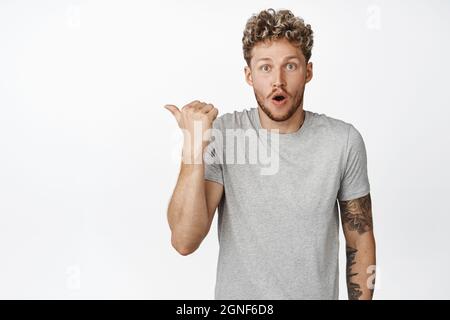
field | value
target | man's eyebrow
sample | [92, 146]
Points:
[285, 58]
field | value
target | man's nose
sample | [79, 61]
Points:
[279, 80]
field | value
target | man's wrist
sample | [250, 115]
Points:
[190, 156]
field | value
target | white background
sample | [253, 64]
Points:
[88, 154]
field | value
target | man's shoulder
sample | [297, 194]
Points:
[234, 120]
[326, 120]
[331, 125]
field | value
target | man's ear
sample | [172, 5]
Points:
[248, 75]
[309, 71]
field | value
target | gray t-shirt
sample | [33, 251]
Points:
[279, 229]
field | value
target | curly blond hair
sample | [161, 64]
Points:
[271, 25]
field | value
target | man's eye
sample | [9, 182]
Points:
[293, 66]
[265, 67]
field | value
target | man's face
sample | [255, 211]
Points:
[278, 67]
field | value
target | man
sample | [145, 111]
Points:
[278, 232]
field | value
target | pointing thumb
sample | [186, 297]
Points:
[174, 110]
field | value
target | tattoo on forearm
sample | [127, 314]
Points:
[357, 214]
[354, 289]
[372, 285]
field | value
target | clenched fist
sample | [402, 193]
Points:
[195, 119]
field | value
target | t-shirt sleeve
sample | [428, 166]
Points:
[212, 158]
[354, 180]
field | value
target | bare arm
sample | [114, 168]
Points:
[360, 247]
[192, 207]
[194, 200]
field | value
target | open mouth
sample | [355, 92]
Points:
[279, 98]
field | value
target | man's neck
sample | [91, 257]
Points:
[290, 125]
